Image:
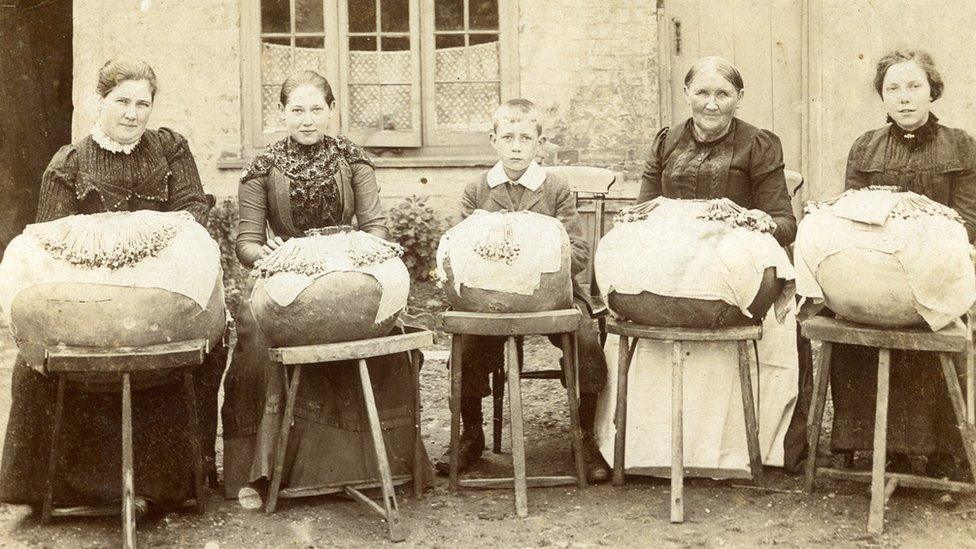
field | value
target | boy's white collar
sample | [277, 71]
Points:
[532, 179]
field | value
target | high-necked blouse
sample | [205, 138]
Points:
[933, 160]
[293, 188]
[158, 174]
[744, 165]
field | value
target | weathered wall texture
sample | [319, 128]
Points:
[853, 35]
[592, 66]
[193, 46]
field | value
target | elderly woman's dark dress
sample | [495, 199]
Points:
[292, 188]
[158, 174]
[744, 165]
[940, 163]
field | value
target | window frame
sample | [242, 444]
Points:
[424, 144]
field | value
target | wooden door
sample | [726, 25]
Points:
[763, 38]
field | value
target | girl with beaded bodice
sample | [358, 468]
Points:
[307, 180]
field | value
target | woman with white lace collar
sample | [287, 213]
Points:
[121, 166]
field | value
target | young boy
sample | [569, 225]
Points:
[518, 183]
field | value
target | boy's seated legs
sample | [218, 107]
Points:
[482, 355]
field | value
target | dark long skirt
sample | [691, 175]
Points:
[90, 470]
[329, 442]
[920, 417]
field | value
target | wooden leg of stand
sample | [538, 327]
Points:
[518, 434]
[570, 359]
[52, 466]
[620, 417]
[419, 463]
[815, 417]
[498, 401]
[128, 488]
[280, 451]
[193, 433]
[966, 429]
[677, 433]
[749, 411]
[382, 463]
[876, 516]
[455, 400]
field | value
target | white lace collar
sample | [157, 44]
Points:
[109, 144]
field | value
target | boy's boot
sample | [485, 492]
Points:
[472, 438]
[596, 468]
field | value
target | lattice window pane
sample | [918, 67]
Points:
[275, 16]
[270, 113]
[380, 107]
[466, 106]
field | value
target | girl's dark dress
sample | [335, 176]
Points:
[158, 174]
[291, 188]
[940, 163]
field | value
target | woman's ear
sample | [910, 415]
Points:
[687, 95]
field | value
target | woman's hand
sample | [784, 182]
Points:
[270, 246]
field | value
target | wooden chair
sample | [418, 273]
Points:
[319, 356]
[563, 322]
[676, 336]
[955, 338]
[126, 362]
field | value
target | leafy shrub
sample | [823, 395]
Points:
[222, 225]
[415, 226]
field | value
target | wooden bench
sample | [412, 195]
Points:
[562, 322]
[955, 338]
[675, 337]
[126, 362]
[320, 356]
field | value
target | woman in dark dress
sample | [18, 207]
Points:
[120, 166]
[305, 181]
[917, 153]
[713, 155]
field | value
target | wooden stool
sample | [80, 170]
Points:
[676, 336]
[564, 322]
[319, 356]
[952, 339]
[126, 362]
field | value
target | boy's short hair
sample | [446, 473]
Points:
[517, 110]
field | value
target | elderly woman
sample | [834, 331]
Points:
[119, 166]
[913, 151]
[307, 180]
[711, 155]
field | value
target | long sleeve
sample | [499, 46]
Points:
[963, 197]
[567, 214]
[252, 199]
[769, 186]
[57, 197]
[651, 179]
[186, 191]
[854, 178]
[469, 198]
[370, 215]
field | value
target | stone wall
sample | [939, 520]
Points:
[193, 46]
[592, 66]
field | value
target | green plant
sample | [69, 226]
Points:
[222, 225]
[415, 226]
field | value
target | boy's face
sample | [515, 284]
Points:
[516, 144]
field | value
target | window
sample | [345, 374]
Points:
[412, 78]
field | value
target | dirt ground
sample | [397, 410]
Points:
[718, 513]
